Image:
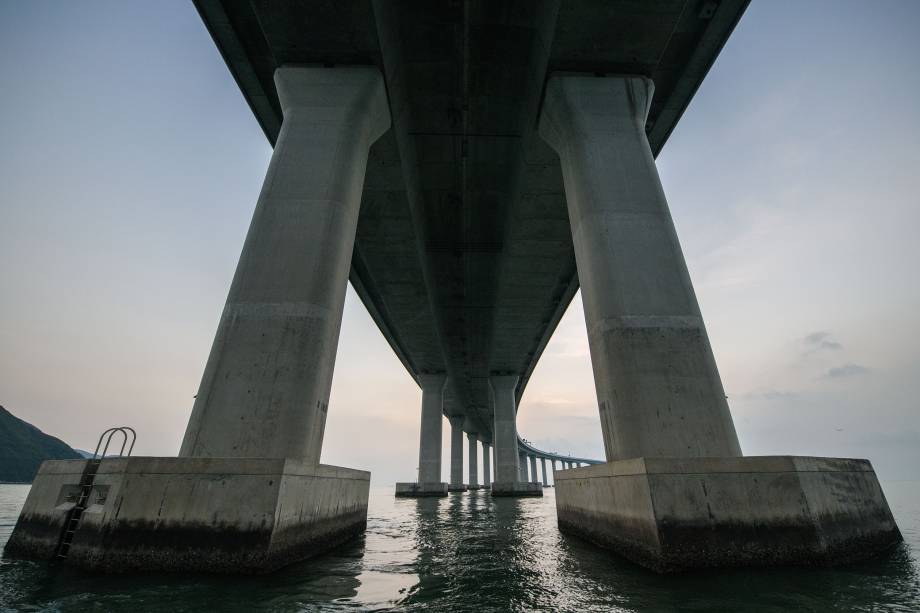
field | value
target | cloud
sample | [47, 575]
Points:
[845, 371]
[817, 341]
[770, 395]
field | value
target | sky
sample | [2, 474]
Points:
[130, 165]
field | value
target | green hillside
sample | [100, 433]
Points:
[23, 448]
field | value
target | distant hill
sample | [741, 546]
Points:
[23, 448]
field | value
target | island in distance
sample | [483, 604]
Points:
[23, 448]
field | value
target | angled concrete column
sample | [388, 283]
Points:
[473, 458]
[429, 447]
[675, 492]
[253, 441]
[456, 454]
[658, 389]
[533, 469]
[486, 465]
[545, 476]
[504, 436]
[265, 389]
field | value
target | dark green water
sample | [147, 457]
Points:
[469, 552]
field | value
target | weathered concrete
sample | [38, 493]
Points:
[516, 488]
[421, 490]
[658, 389]
[545, 475]
[670, 514]
[429, 448]
[522, 461]
[265, 389]
[534, 478]
[233, 515]
[486, 466]
[473, 458]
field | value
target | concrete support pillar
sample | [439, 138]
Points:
[429, 447]
[658, 389]
[504, 431]
[533, 469]
[522, 462]
[456, 454]
[473, 459]
[486, 465]
[545, 476]
[265, 389]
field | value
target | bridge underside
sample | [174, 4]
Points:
[464, 254]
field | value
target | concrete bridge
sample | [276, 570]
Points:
[468, 165]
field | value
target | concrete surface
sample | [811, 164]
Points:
[473, 461]
[265, 390]
[671, 514]
[229, 515]
[658, 389]
[463, 254]
[421, 490]
[505, 437]
[486, 465]
[516, 488]
[456, 454]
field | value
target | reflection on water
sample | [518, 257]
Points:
[469, 552]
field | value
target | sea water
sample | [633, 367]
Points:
[470, 552]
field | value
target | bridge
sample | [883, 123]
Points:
[467, 165]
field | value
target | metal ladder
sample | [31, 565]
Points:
[75, 514]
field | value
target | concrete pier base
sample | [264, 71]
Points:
[516, 488]
[671, 514]
[456, 488]
[420, 490]
[229, 515]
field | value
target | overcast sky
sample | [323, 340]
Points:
[130, 165]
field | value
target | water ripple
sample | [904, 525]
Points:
[470, 552]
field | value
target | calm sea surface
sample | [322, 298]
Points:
[469, 552]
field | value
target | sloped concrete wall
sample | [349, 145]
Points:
[669, 514]
[214, 514]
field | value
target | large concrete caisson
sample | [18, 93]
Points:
[248, 493]
[675, 492]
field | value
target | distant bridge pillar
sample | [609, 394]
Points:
[473, 459]
[486, 465]
[533, 469]
[429, 447]
[265, 389]
[508, 480]
[545, 476]
[456, 454]
[658, 389]
[522, 462]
